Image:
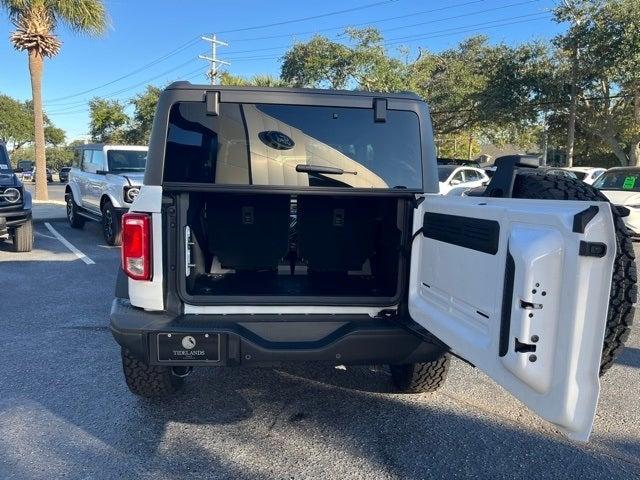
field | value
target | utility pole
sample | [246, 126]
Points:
[571, 127]
[213, 59]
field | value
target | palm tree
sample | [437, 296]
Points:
[35, 22]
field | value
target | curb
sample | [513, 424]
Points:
[48, 202]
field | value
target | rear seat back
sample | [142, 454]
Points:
[248, 232]
[335, 234]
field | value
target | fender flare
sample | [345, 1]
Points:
[107, 196]
[73, 188]
[27, 202]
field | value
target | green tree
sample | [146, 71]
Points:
[144, 105]
[260, 80]
[36, 22]
[54, 136]
[364, 63]
[16, 126]
[107, 120]
[607, 74]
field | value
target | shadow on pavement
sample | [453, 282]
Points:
[630, 357]
[262, 423]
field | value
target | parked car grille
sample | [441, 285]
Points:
[6, 203]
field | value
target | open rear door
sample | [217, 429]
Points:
[519, 288]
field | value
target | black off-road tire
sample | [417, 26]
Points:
[111, 228]
[23, 237]
[421, 377]
[75, 220]
[149, 381]
[537, 185]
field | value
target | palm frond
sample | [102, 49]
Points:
[82, 16]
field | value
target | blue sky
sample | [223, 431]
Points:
[158, 41]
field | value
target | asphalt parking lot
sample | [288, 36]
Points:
[65, 411]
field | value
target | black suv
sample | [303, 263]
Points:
[15, 207]
[283, 225]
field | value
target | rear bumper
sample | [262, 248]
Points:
[274, 339]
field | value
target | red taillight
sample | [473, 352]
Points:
[136, 245]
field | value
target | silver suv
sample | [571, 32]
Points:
[103, 183]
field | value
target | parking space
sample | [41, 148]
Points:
[66, 412]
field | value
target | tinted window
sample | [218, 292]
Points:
[5, 166]
[86, 160]
[580, 175]
[628, 180]
[97, 160]
[471, 176]
[263, 145]
[444, 171]
[458, 177]
[126, 160]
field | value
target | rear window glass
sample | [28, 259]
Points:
[619, 180]
[580, 175]
[126, 160]
[259, 144]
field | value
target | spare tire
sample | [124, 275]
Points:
[538, 185]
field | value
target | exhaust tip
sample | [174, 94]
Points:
[181, 372]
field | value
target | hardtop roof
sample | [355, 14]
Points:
[183, 85]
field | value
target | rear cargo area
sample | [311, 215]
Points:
[281, 246]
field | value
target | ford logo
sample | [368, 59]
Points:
[276, 140]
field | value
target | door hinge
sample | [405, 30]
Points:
[592, 249]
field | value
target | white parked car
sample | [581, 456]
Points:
[621, 185]
[103, 183]
[455, 180]
[587, 174]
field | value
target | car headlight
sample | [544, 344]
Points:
[130, 193]
[11, 195]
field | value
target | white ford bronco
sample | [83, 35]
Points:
[104, 180]
[281, 225]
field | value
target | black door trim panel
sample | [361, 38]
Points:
[468, 232]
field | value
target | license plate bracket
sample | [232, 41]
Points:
[188, 347]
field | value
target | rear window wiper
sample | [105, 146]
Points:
[305, 168]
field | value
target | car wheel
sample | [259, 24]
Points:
[622, 299]
[110, 225]
[23, 237]
[148, 380]
[75, 220]
[421, 377]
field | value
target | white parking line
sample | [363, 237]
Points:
[45, 236]
[67, 244]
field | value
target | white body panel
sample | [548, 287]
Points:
[456, 293]
[591, 174]
[148, 294]
[631, 200]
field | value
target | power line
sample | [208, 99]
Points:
[123, 90]
[435, 34]
[194, 40]
[313, 17]
[387, 19]
[138, 70]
